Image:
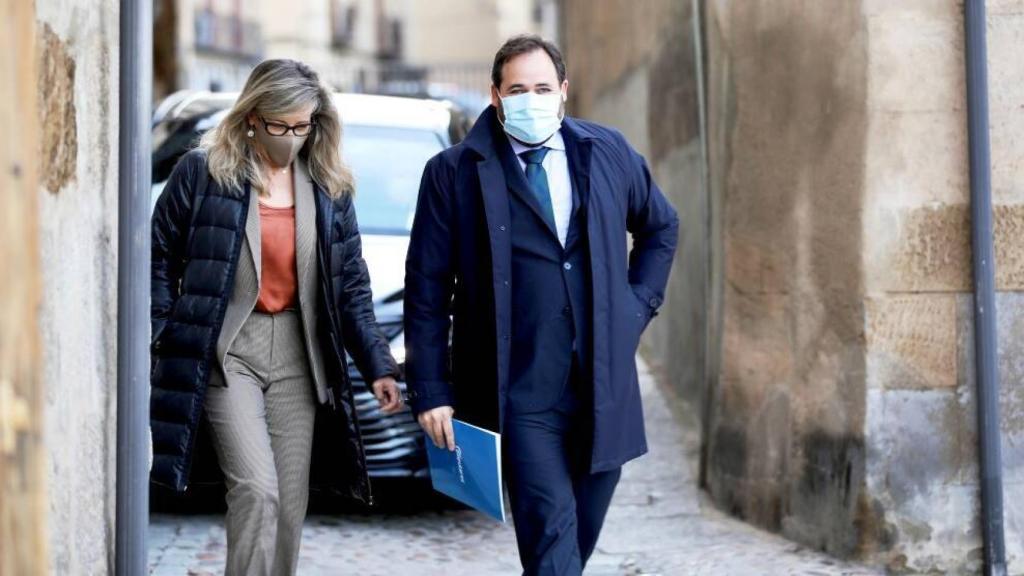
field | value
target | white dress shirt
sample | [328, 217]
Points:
[556, 165]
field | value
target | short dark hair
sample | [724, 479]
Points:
[524, 44]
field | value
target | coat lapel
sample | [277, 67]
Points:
[515, 179]
[498, 221]
[305, 231]
[492, 186]
[252, 230]
[578, 149]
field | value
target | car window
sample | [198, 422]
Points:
[388, 163]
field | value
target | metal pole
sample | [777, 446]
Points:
[136, 71]
[985, 339]
[711, 319]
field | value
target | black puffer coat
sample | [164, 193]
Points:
[198, 229]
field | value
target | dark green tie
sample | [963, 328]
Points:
[538, 179]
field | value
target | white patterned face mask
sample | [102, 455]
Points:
[532, 118]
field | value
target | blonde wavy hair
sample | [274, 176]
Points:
[276, 88]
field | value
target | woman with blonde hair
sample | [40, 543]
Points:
[258, 289]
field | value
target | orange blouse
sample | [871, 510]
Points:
[279, 284]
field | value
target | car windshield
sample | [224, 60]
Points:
[388, 163]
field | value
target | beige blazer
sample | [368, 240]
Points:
[247, 279]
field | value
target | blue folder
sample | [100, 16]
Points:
[472, 473]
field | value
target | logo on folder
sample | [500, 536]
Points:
[458, 462]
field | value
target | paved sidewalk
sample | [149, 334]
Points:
[659, 524]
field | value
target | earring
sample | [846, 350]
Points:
[250, 133]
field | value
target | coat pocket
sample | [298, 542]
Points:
[637, 315]
[643, 312]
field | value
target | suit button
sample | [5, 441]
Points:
[567, 311]
[506, 282]
[567, 266]
[502, 228]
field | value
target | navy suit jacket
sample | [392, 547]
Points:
[550, 294]
[458, 313]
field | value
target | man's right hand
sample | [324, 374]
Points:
[437, 423]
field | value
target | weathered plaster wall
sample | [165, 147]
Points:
[787, 120]
[77, 52]
[922, 475]
[821, 300]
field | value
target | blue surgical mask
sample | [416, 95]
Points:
[532, 118]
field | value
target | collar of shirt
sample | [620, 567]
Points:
[555, 143]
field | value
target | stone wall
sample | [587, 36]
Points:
[787, 125]
[632, 65]
[76, 45]
[922, 475]
[819, 318]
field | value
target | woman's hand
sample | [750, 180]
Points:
[387, 393]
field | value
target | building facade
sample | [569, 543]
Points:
[213, 44]
[391, 46]
[819, 321]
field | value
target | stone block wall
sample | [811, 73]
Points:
[922, 475]
[819, 319]
[787, 129]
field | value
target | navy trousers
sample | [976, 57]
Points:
[558, 507]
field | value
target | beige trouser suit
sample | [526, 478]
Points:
[261, 403]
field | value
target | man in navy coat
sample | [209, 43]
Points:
[523, 310]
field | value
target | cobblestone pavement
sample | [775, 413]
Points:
[659, 524]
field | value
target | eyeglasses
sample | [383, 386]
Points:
[280, 128]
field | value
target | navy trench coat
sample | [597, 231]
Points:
[458, 280]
